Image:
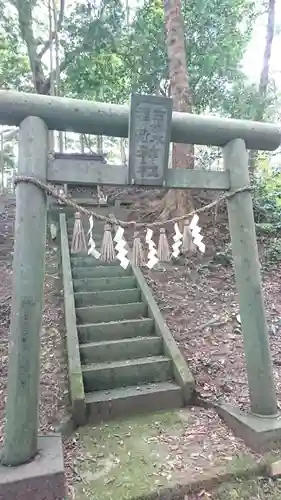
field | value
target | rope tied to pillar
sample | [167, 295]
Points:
[111, 219]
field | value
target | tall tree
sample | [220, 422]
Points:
[180, 91]
[14, 67]
[85, 29]
[215, 41]
[36, 48]
[264, 76]
[138, 62]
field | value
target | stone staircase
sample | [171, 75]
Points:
[125, 365]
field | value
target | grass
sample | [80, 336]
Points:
[255, 488]
[121, 460]
[124, 460]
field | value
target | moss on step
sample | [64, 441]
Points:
[133, 459]
[122, 461]
[77, 387]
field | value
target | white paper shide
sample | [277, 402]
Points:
[152, 258]
[195, 231]
[120, 248]
[92, 246]
[177, 241]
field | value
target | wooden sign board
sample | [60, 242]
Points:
[149, 139]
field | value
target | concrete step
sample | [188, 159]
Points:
[110, 375]
[101, 272]
[84, 299]
[116, 312]
[117, 350]
[100, 284]
[124, 365]
[88, 261]
[132, 400]
[115, 330]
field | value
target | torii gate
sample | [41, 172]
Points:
[54, 113]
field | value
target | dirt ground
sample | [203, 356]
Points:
[199, 304]
[201, 308]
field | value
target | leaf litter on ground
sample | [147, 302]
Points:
[201, 310]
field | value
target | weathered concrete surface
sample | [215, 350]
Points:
[60, 113]
[40, 479]
[76, 385]
[258, 432]
[128, 359]
[158, 456]
[259, 366]
[21, 426]
[181, 372]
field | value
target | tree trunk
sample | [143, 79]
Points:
[57, 58]
[178, 202]
[25, 10]
[264, 76]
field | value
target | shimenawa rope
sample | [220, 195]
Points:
[111, 219]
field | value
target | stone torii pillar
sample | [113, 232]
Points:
[261, 427]
[25, 477]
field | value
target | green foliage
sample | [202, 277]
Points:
[272, 252]
[105, 59]
[135, 58]
[223, 256]
[145, 58]
[242, 100]
[14, 64]
[14, 67]
[91, 38]
[267, 203]
[216, 41]
[267, 210]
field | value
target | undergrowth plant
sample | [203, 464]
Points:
[267, 210]
[267, 204]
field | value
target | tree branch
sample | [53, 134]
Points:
[264, 77]
[45, 87]
[24, 8]
[48, 42]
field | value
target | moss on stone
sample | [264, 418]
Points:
[76, 385]
[122, 460]
[254, 488]
[131, 459]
